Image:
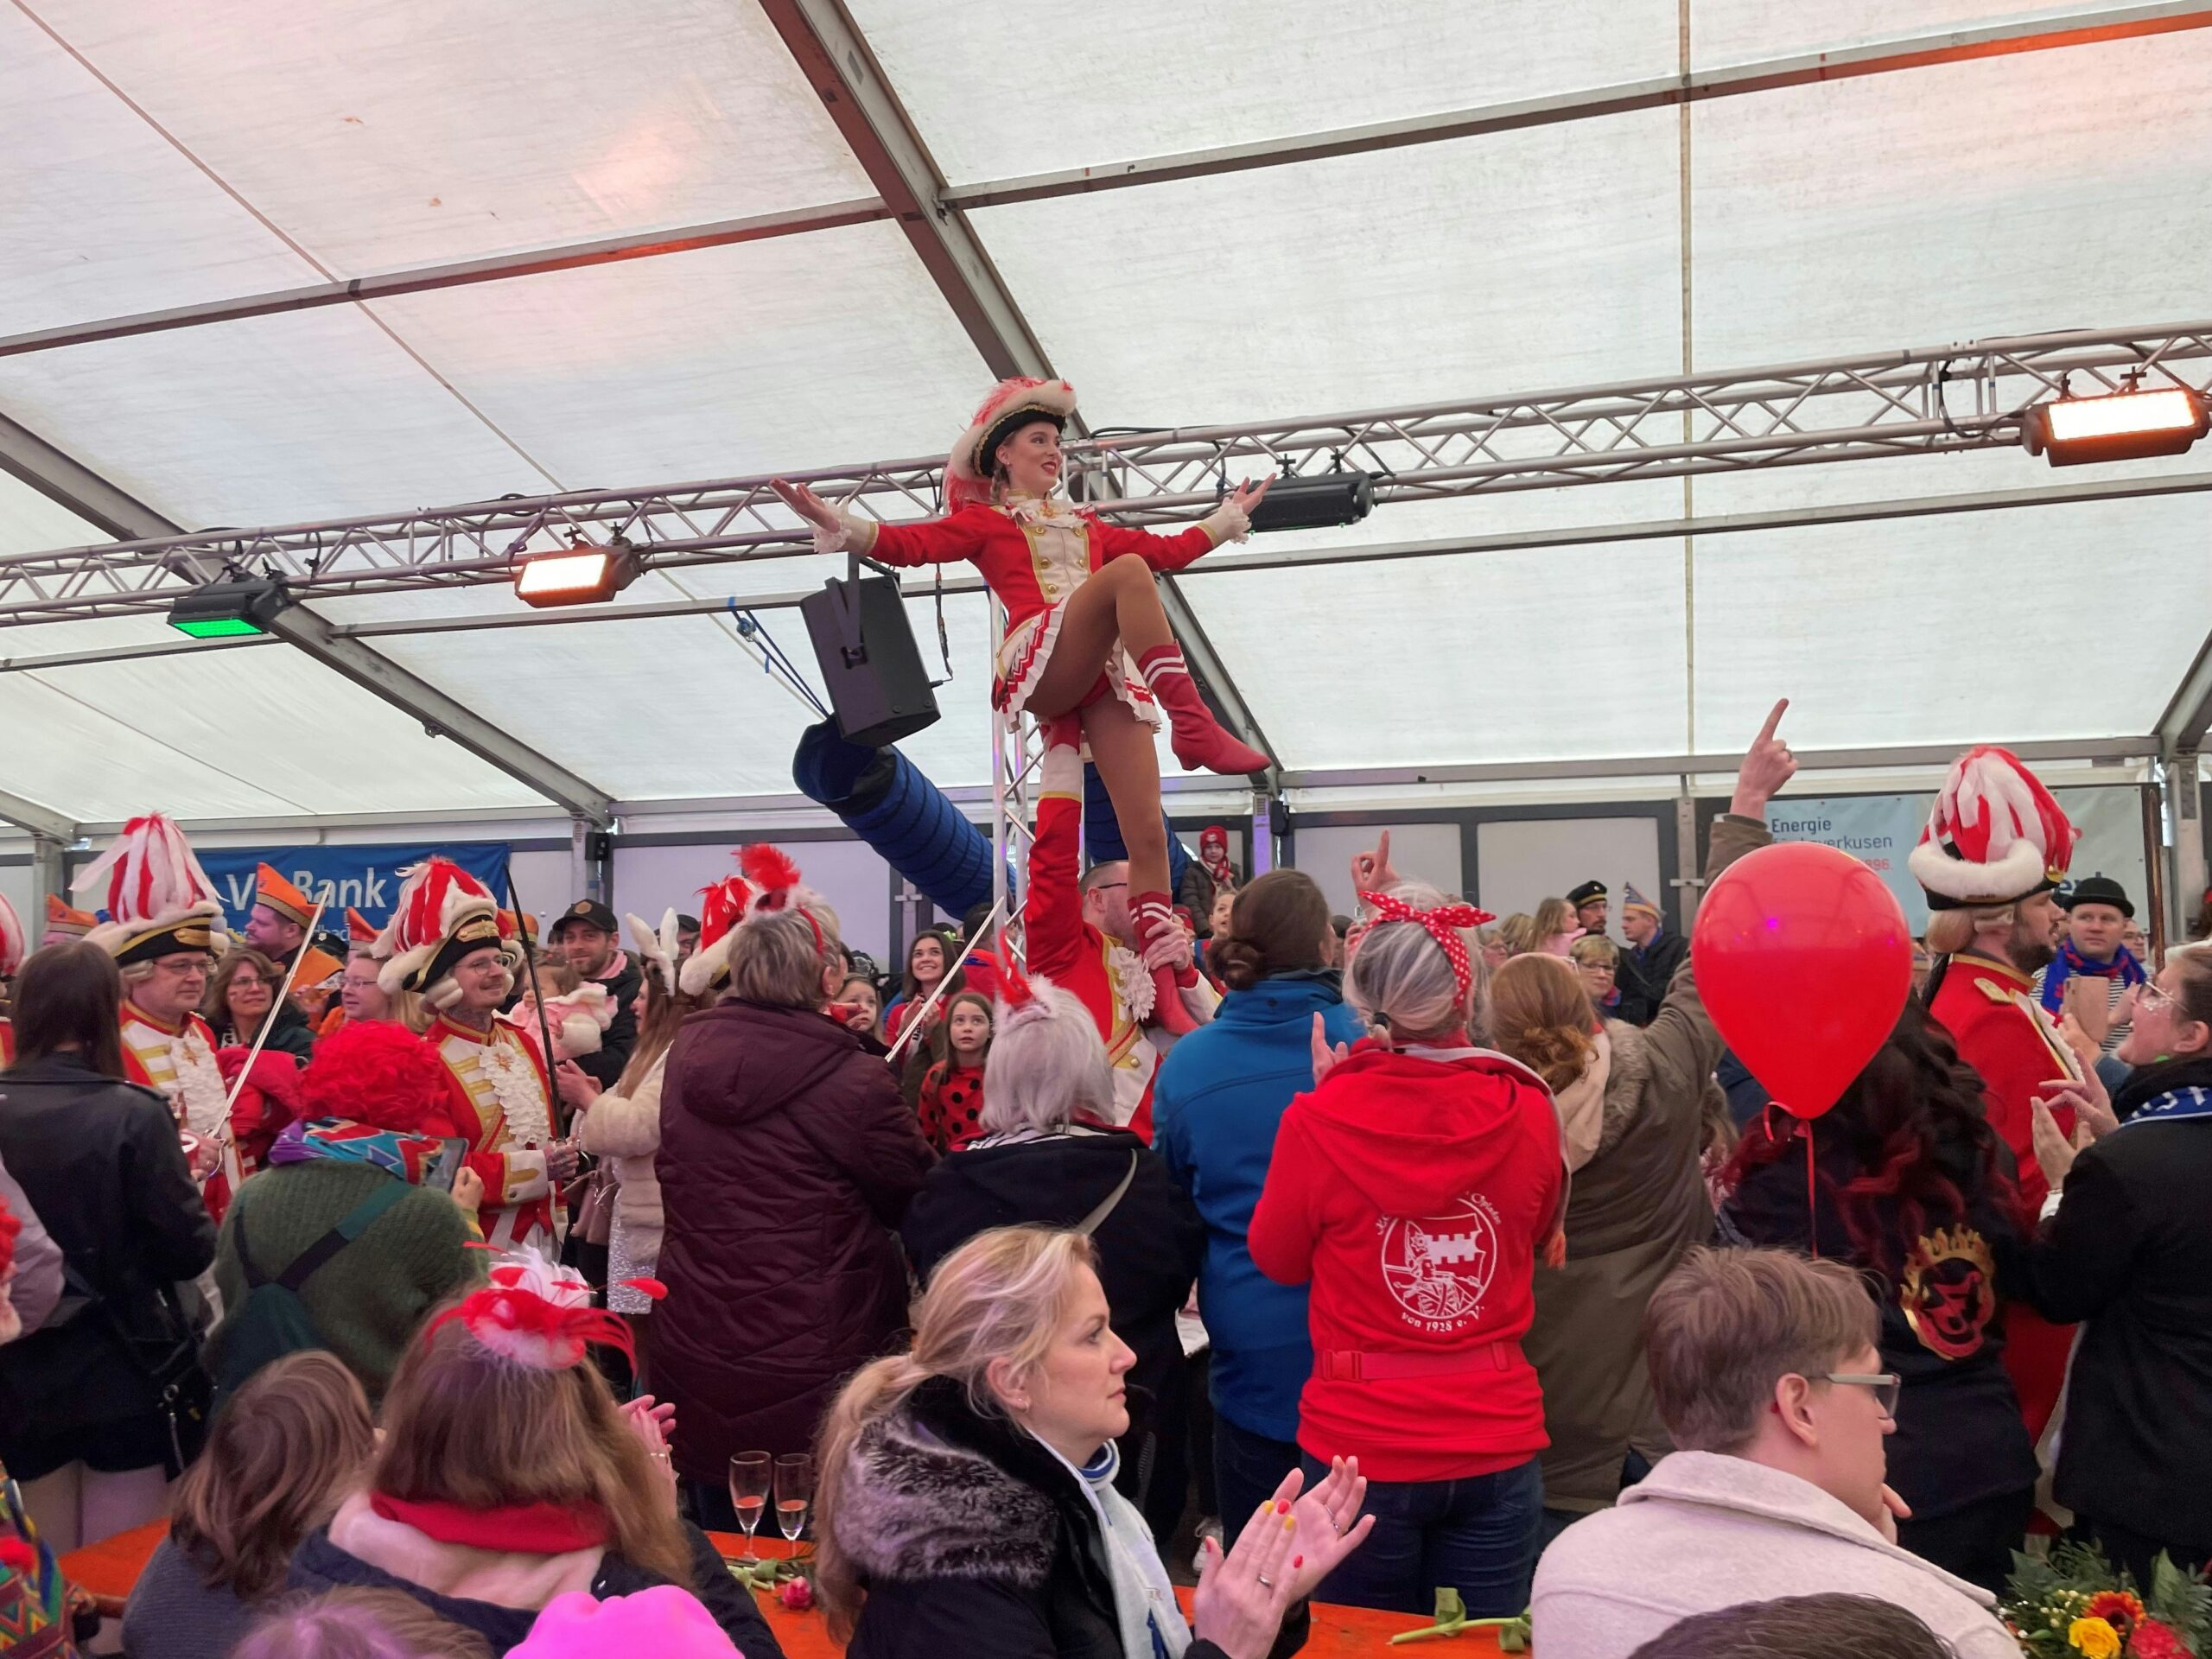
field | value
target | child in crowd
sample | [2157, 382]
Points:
[951, 1103]
[577, 1012]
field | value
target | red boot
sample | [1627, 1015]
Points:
[1199, 741]
[1156, 918]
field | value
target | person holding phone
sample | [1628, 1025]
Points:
[375, 1161]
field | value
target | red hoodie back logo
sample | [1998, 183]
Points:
[1438, 1268]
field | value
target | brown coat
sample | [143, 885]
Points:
[1636, 1208]
[786, 1159]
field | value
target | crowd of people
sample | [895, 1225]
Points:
[437, 1288]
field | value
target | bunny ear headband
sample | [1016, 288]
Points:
[659, 949]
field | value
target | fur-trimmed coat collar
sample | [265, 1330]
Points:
[936, 1491]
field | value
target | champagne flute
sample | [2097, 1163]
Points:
[749, 1473]
[794, 1495]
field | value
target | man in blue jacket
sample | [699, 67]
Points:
[1220, 1094]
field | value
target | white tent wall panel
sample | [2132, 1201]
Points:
[857, 883]
[799, 352]
[2006, 195]
[1519, 862]
[1526, 259]
[1738, 31]
[997, 88]
[380, 135]
[313, 415]
[100, 215]
[1422, 852]
[1957, 629]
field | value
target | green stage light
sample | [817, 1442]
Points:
[226, 610]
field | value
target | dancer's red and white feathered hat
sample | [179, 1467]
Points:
[658, 948]
[158, 900]
[772, 885]
[442, 915]
[1013, 404]
[15, 944]
[1996, 836]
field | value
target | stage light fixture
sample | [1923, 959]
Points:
[1315, 502]
[581, 574]
[2127, 425]
[225, 610]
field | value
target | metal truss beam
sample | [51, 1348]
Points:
[422, 279]
[92, 496]
[43, 822]
[2189, 712]
[1663, 92]
[1923, 401]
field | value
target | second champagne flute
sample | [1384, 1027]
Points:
[794, 1494]
[749, 1474]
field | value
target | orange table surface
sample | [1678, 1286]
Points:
[108, 1569]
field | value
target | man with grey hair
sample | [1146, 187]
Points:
[1766, 1372]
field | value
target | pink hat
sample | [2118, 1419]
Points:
[664, 1621]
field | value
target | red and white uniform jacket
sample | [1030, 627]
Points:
[1034, 553]
[179, 1061]
[2001, 1030]
[1107, 976]
[502, 1098]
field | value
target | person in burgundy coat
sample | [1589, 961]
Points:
[786, 1159]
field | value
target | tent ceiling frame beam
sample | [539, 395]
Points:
[1915, 402]
[43, 822]
[64, 479]
[835, 57]
[2082, 28]
[939, 204]
[461, 273]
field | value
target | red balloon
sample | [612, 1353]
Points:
[1804, 960]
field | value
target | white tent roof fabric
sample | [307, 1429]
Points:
[213, 152]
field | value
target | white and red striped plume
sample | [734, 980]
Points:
[15, 944]
[722, 907]
[147, 874]
[434, 899]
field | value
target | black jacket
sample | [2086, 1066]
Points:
[99, 1161]
[318, 1565]
[2130, 1255]
[970, 1538]
[1960, 1435]
[604, 1064]
[1643, 984]
[289, 1033]
[1149, 1248]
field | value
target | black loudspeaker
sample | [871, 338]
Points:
[865, 647]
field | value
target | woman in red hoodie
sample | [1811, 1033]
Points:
[1414, 1189]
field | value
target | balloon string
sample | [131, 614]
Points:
[1812, 1200]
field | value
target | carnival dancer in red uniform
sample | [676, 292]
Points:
[164, 929]
[1996, 846]
[1080, 934]
[1085, 629]
[13, 948]
[444, 942]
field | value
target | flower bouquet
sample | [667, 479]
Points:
[2075, 1602]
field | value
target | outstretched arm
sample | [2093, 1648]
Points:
[1229, 522]
[938, 541]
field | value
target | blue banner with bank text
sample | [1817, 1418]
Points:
[366, 878]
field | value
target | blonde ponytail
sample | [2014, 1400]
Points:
[1000, 1296]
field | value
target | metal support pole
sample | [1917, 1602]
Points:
[1263, 832]
[580, 858]
[1689, 869]
[2184, 812]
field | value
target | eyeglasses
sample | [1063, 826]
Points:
[1886, 1386]
[2150, 997]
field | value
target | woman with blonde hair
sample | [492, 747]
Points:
[507, 1475]
[293, 1442]
[1636, 1108]
[965, 1499]
[786, 1159]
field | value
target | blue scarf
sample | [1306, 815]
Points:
[2070, 962]
[2173, 1106]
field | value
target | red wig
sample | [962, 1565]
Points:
[378, 1072]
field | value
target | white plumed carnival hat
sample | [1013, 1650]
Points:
[158, 899]
[1996, 834]
[15, 944]
[1013, 404]
[442, 915]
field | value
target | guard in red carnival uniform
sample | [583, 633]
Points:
[1996, 846]
[13, 949]
[1069, 948]
[1086, 634]
[444, 942]
[164, 930]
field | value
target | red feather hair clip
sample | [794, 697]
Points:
[536, 1314]
[1019, 1000]
[771, 873]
